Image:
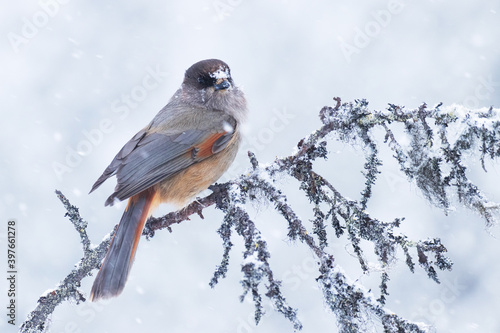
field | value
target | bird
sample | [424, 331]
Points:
[187, 146]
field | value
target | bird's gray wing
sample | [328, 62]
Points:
[148, 158]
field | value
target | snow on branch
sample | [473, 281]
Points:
[429, 145]
[431, 154]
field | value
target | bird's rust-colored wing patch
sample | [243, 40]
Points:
[205, 148]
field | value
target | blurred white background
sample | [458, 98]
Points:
[73, 92]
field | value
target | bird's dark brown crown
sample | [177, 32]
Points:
[205, 73]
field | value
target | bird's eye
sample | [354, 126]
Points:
[205, 81]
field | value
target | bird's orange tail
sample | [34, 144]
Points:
[114, 271]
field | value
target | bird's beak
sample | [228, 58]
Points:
[222, 84]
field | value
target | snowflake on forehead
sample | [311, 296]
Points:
[221, 73]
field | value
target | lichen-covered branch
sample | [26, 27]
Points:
[68, 288]
[429, 144]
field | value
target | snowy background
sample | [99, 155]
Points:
[84, 76]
